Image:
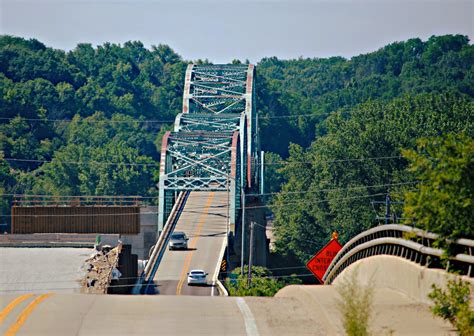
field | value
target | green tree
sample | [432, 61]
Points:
[443, 202]
[101, 157]
[330, 185]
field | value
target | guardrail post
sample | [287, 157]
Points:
[470, 265]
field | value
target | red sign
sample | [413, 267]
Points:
[321, 260]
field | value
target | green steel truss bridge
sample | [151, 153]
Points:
[214, 145]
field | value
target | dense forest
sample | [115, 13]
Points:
[89, 122]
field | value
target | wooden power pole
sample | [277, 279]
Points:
[252, 226]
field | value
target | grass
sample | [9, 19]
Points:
[355, 304]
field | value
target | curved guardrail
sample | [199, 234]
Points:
[389, 240]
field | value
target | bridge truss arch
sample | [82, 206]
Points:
[214, 145]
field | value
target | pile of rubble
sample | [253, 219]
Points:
[101, 268]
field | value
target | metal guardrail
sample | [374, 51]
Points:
[215, 277]
[146, 278]
[389, 240]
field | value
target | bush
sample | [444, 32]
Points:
[263, 284]
[356, 305]
[452, 304]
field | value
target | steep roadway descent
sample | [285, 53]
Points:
[296, 310]
[204, 220]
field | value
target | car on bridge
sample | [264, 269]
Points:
[197, 277]
[178, 241]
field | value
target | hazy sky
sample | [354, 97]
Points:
[222, 30]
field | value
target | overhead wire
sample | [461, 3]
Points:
[133, 285]
[157, 164]
[224, 191]
[142, 121]
[130, 278]
[335, 189]
[132, 164]
[191, 210]
[335, 161]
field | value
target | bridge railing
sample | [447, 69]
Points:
[145, 280]
[402, 241]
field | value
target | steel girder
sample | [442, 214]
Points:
[201, 162]
[229, 88]
[214, 139]
[222, 123]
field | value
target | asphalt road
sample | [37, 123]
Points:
[204, 220]
[297, 310]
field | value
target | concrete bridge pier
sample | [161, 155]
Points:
[146, 238]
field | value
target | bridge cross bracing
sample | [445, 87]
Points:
[214, 143]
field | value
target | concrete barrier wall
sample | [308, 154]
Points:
[401, 275]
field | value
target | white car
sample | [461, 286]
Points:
[197, 277]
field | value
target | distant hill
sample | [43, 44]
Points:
[108, 90]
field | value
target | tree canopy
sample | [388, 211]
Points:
[443, 202]
[331, 185]
[90, 121]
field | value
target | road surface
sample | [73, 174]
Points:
[296, 310]
[204, 220]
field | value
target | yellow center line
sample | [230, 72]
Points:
[12, 306]
[189, 257]
[25, 313]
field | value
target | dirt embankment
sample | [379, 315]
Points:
[100, 268]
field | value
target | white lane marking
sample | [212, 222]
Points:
[250, 325]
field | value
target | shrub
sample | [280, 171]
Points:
[452, 304]
[263, 284]
[355, 304]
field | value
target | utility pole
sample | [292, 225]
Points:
[228, 219]
[243, 233]
[262, 173]
[387, 208]
[249, 280]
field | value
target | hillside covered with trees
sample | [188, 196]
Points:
[89, 122]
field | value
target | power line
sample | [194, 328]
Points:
[299, 238]
[81, 196]
[86, 162]
[204, 196]
[190, 210]
[132, 285]
[283, 193]
[334, 161]
[126, 278]
[141, 121]
[157, 164]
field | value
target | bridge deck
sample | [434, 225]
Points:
[204, 220]
[298, 310]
